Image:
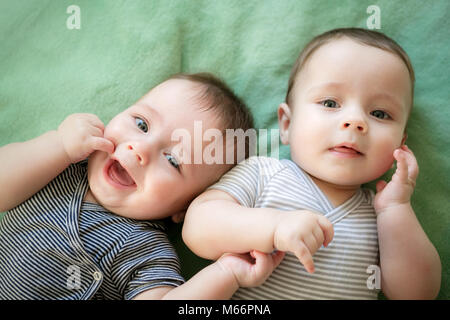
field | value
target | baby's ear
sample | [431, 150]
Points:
[179, 216]
[405, 136]
[284, 120]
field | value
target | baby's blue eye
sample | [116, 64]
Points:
[330, 104]
[380, 114]
[173, 162]
[141, 124]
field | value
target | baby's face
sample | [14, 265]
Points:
[348, 113]
[145, 178]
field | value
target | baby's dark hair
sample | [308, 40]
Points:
[219, 98]
[368, 37]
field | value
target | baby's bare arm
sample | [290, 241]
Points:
[410, 264]
[28, 166]
[221, 279]
[215, 223]
[210, 283]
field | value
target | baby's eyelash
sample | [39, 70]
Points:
[141, 124]
[329, 103]
[380, 114]
[173, 161]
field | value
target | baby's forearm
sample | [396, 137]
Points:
[211, 283]
[28, 166]
[214, 227]
[410, 265]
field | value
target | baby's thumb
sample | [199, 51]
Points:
[265, 263]
[103, 144]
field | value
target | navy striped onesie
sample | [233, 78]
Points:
[55, 246]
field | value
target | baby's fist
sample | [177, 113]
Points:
[81, 134]
[302, 232]
[251, 269]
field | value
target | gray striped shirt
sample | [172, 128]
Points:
[54, 246]
[341, 269]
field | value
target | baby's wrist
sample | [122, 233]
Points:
[276, 222]
[57, 145]
[227, 273]
[393, 208]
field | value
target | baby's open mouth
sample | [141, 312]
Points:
[119, 174]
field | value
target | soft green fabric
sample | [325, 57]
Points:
[126, 47]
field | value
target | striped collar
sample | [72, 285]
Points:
[332, 214]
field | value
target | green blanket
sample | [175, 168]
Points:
[123, 48]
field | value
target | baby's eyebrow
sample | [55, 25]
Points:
[326, 85]
[154, 113]
[388, 97]
[339, 86]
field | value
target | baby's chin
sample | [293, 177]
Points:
[135, 212]
[342, 180]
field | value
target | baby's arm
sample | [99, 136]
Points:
[220, 279]
[28, 166]
[216, 223]
[410, 265]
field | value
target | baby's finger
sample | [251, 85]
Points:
[96, 131]
[260, 257]
[312, 243]
[327, 228]
[407, 149]
[102, 144]
[95, 121]
[318, 235]
[402, 167]
[411, 161]
[305, 257]
[263, 263]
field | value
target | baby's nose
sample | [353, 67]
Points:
[140, 152]
[358, 125]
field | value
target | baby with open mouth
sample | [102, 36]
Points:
[92, 229]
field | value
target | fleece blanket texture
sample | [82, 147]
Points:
[49, 69]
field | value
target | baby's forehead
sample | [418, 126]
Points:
[176, 98]
[348, 52]
[186, 88]
[341, 59]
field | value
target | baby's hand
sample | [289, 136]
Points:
[81, 134]
[249, 273]
[400, 188]
[303, 232]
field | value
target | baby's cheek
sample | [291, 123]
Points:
[384, 162]
[112, 132]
